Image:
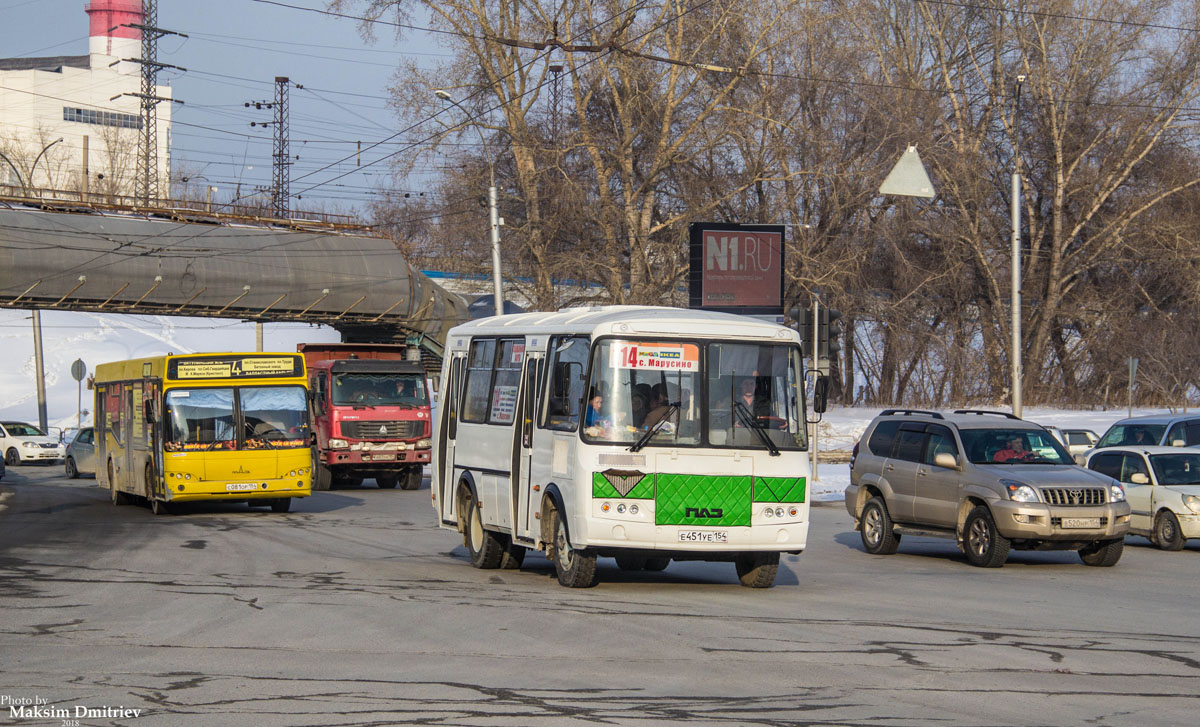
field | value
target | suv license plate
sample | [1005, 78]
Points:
[1081, 522]
[238, 486]
[703, 536]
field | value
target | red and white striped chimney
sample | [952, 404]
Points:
[108, 36]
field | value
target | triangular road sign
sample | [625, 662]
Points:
[908, 177]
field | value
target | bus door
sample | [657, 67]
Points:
[128, 474]
[447, 434]
[522, 446]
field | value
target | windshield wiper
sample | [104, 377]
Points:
[747, 420]
[641, 442]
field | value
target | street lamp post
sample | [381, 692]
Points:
[39, 158]
[1016, 256]
[497, 286]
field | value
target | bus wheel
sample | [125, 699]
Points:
[631, 562]
[282, 504]
[657, 564]
[118, 497]
[483, 545]
[575, 568]
[513, 556]
[412, 479]
[160, 507]
[757, 570]
[387, 483]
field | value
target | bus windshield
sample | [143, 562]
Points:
[687, 393]
[247, 417]
[406, 390]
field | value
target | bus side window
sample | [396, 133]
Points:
[565, 397]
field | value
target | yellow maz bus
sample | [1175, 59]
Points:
[224, 426]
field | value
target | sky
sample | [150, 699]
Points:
[233, 52]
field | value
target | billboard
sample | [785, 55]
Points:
[736, 268]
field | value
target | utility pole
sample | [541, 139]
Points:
[816, 338]
[147, 181]
[39, 370]
[282, 172]
[1016, 255]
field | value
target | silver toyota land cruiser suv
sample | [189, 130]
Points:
[989, 480]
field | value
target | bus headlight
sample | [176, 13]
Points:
[633, 509]
[338, 443]
[621, 508]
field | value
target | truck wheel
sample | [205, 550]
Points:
[1167, 534]
[484, 546]
[412, 479]
[1103, 554]
[347, 481]
[322, 477]
[757, 570]
[985, 546]
[72, 470]
[282, 504]
[574, 568]
[875, 527]
[387, 483]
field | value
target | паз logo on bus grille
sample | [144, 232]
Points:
[705, 512]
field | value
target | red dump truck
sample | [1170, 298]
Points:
[370, 413]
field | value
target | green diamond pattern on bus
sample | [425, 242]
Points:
[602, 489]
[693, 499]
[779, 489]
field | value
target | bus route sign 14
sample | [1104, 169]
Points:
[656, 356]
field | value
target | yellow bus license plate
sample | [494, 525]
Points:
[239, 486]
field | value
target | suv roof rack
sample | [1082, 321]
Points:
[986, 411]
[910, 412]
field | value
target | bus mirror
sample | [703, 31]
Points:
[821, 394]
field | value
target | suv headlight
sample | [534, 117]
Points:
[1192, 502]
[1116, 493]
[338, 443]
[1019, 491]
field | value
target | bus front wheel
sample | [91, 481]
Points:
[574, 568]
[757, 570]
[484, 546]
[159, 507]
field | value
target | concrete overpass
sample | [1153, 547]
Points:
[75, 256]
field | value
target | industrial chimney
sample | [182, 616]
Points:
[109, 38]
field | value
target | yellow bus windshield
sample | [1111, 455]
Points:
[238, 418]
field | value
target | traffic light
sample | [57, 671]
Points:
[829, 333]
[804, 319]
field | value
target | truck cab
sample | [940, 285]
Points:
[371, 415]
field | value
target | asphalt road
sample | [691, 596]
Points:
[354, 609]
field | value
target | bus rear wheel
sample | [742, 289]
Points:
[283, 504]
[484, 546]
[118, 497]
[757, 570]
[574, 568]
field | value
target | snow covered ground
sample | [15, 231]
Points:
[98, 338]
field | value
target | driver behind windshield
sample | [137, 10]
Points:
[1014, 451]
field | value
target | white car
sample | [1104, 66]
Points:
[1076, 441]
[23, 443]
[1162, 486]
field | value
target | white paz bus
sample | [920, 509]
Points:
[643, 434]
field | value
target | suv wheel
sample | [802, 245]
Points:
[984, 545]
[1104, 553]
[875, 526]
